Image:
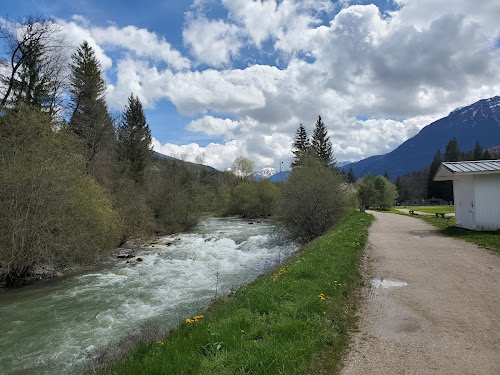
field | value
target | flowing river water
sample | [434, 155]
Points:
[53, 327]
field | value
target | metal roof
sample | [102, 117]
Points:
[448, 170]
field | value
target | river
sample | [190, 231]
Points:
[53, 327]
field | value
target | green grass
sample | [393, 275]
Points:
[487, 240]
[432, 209]
[279, 324]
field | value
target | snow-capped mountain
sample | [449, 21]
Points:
[264, 173]
[477, 122]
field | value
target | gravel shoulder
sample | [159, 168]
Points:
[445, 321]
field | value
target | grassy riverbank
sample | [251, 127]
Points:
[294, 320]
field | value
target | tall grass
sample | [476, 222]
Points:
[292, 321]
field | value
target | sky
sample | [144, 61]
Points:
[220, 79]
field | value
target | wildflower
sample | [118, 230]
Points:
[160, 342]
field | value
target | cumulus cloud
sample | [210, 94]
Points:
[376, 79]
[142, 42]
[212, 42]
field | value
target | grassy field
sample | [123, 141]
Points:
[292, 321]
[431, 209]
[488, 240]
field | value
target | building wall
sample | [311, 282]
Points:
[487, 199]
[463, 195]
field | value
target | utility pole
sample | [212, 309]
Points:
[281, 175]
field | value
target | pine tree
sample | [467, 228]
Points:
[134, 140]
[386, 175]
[478, 152]
[322, 145]
[90, 119]
[351, 178]
[301, 146]
[452, 152]
[434, 188]
[487, 155]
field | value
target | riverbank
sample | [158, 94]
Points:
[294, 321]
[46, 271]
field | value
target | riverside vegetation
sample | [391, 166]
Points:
[294, 320]
[76, 181]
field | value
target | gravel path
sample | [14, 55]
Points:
[446, 320]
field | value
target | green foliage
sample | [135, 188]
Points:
[134, 140]
[478, 152]
[452, 152]
[301, 146]
[170, 197]
[243, 167]
[377, 192]
[254, 199]
[321, 144]
[90, 119]
[351, 178]
[314, 199]
[136, 217]
[51, 210]
[293, 321]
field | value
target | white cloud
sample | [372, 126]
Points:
[414, 64]
[212, 126]
[142, 42]
[76, 34]
[212, 42]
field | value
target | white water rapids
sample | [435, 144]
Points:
[52, 327]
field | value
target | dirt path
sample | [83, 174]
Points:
[445, 321]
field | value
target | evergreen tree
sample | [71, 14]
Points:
[386, 175]
[478, 152]
[487, 155]
[134, 140]
[322, 145]
[301, 146]
[90, 119]
[452, 152]
[351, 178]
[434, 188]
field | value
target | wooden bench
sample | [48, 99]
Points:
[442, 215]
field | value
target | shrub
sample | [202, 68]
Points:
[314, 199]
[50, 209]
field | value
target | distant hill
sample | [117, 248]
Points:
[192, 166]
[479, 121]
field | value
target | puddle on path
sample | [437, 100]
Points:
[382, 282]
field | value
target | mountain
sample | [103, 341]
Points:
[192, 166]
[280, 177]
[479, 121]
[264, 173]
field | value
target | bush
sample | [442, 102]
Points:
[314, 200]
[136, 217]
[50, 209]
[254, 199]
[376, 192]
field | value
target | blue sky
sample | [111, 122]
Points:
[227, 78]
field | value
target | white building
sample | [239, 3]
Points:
[476, 192]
